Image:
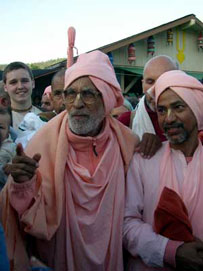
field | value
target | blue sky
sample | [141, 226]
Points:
[36, 30]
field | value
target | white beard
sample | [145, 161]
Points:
[87, 125]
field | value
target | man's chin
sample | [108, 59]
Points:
[176, 140]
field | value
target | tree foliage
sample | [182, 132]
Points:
[39, 65]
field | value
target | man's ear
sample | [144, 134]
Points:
[33, 84]
[5, 88]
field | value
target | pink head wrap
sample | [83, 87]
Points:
[97, 66]
[47, 91]
[187, 87]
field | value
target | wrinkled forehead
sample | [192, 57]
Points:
[83, 83]
[169, 96]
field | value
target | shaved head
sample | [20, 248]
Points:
[57, 86]
[152, 70]
[164, 62]
[59, 76]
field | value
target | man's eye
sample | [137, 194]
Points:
[69, 93]
[161, 110]
[150, 82]
[12, 82]
[88, 93]
[179, 107]
[58, 93]
[25, 80]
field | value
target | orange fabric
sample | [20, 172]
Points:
[171, 217]
[44, 216]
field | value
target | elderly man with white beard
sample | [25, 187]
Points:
[68, 186]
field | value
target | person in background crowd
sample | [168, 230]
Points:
[5, 102]
[126, 107]
[57, 86]
[46, 102]
[146, 120]
[152, 70]
[70, 207]
[8, 147]
[19, 83]
[162, 224]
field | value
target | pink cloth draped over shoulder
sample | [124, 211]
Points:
[43, 218]
[191, 91]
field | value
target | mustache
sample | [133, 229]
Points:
[166, 127]
[78, 112]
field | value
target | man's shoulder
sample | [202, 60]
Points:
[35, 110]
[154, 160]
[46, 116]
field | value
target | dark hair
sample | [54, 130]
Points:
[5, 111]
[16, 66]
[4, 97]
[60, 74]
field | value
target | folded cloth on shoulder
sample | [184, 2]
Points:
[171, 217]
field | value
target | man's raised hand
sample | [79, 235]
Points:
[23, 167]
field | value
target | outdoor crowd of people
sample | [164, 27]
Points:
[88, 182]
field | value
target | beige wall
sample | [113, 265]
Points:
[193, 58]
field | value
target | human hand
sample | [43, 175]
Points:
[189, 256]
[23, 167]
[149, 145]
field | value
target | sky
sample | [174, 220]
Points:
[36, 30]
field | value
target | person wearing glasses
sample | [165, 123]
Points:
[67, 188]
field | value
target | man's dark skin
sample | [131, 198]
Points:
[23, 167]
[149, 145]
[155, 67]
[192, 251]
[189, 256]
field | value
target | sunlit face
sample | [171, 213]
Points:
[46, 103]
[154, 69]
[19, 86]
[57, 94]
[176, 118]
[85, 119]
[5, 121]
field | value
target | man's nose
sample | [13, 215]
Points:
[20, 85]
[170, 117]
[78, 103]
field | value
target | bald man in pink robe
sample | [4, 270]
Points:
[177, 167]
[64, 201]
